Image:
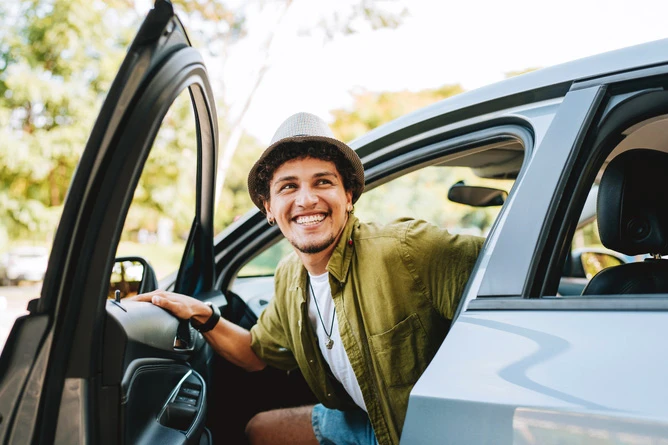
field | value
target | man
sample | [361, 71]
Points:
[359, 308]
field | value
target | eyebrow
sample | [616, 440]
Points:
[294, 178]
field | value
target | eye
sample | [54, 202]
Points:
[287, 186]
[323, 182]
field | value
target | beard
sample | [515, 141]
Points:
[313, 247]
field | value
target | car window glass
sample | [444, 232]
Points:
[163, 207]
[265, 263]
[590, 255]
[632, 217]
[421, 194]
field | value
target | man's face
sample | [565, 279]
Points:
[309, 203]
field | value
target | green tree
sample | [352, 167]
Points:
[57, 59]
[371, 109]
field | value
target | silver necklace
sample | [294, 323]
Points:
[330, 342]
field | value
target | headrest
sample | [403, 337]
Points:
[632, 203]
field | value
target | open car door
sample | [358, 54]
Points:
[79, 368]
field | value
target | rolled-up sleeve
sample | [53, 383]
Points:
[269, 338]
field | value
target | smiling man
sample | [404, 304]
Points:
[359, 308]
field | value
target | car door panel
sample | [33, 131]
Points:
[155, 409]
[508, 374]
[150, 369]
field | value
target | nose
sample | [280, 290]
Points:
[306, 197]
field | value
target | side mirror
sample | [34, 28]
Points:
[476, 196]
[131, 276]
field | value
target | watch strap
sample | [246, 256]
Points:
[210, 323]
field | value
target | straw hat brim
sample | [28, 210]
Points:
[348, 153]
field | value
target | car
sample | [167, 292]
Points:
[23, 264]
[522, 363]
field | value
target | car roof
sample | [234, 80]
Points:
[544, 84]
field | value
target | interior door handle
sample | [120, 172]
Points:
[185, 337]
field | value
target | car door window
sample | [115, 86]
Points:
[627, 218]
[421, 194]
[163, 206]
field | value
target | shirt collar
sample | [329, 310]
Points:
[339, 262]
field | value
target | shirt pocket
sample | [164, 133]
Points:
[401, 351]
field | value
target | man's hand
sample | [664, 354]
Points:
[227, 339]
[181, 306]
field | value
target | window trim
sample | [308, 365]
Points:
[538, 190]
[641, 302]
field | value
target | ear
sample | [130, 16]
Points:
[349, 200]
[267, 209]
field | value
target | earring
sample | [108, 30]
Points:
[271, 221]
[351, 208]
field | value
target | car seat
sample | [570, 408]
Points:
[632, 217]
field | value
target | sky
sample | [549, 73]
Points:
[466, 42]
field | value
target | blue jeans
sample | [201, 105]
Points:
[334, 427]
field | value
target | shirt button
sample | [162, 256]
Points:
[310, 361]
[329, 394]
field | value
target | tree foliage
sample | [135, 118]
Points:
[57, 58]
[371, 109]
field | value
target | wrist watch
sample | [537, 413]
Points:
[210, 323]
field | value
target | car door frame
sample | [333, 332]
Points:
[52, 358]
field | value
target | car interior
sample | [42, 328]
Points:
[625, 212]
[633, 222]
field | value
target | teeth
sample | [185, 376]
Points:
[311, 219]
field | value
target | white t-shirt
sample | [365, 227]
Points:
[336, 358]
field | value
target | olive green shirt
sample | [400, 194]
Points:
[395, 289]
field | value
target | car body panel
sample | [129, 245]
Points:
[496, 366]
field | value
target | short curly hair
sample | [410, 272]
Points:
[300, 150]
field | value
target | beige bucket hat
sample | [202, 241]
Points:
[305, 127]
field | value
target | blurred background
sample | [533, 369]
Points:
[358, 64]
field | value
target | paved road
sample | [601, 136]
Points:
[13, 303]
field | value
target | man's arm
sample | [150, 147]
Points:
[442, 261]
[228, 340]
